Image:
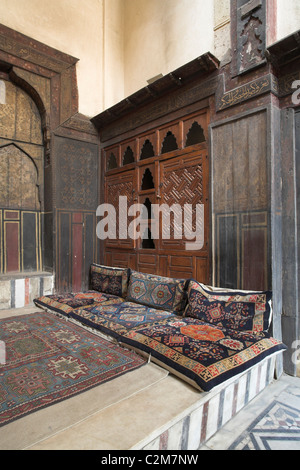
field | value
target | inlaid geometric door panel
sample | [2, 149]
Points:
[121, 185]
[184, 186]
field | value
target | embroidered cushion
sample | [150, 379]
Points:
[65, 303]
[109, 280]
[158, 292]
[202, 354]
[116, 318]
[238, 310]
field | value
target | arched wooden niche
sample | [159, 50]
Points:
[18, 179]
[148, 242]
[195, 135]
[169, 143]
[147, 213]
[147, 180]
[112, 162]
[147, 150]
[128, 156]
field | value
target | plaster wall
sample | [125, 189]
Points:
[160, 36]
[121, 44]
[288, 17]
[91, 31]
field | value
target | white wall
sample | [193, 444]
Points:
[288, 17]
[73, 27]
[121, 44]
[162, 35]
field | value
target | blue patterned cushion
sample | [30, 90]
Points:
[158, 292]
[238, 310]
[116, 318]
[109, 280]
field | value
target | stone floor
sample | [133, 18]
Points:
[270, 422]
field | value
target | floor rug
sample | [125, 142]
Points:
[48, 359]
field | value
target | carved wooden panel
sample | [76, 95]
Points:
[76, 182]
[19, 117]
[116, 186]
[167, 174]
[251, 34]
[183, 182]
[18, 180]
[240, 177]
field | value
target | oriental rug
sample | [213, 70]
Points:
[48, 359]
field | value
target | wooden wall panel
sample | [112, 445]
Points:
[254, 258]
[12, 246]
[174, 176]
[76, 249]
[20, 241]
[241, 186]
[242, 250]
[63, 260]
[31, 244]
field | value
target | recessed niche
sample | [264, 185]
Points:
[147, 181]
[147, 242]
[169, 144]
[112, 162]
[147, 211]
[147, 150]
[195, 135]
[128, 156]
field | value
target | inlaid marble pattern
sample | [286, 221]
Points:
[277, 427]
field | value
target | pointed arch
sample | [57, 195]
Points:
[112, 162]
[195, 135]
[18, 179]
[169, 143]
[147, 150]
[128, 156]
[147, 180]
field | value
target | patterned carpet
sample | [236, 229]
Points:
[48, 359]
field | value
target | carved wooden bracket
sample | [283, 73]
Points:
[250, 34]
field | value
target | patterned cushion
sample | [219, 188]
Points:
[158, 292]
[239, 310]
[202, 354]
[109, 280]
[65, 303]
[116, 319]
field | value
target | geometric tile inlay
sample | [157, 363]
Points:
[276, 426]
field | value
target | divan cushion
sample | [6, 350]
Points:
[109, 280]
[116, 318]
[66, 303]
[157, 291]
[238, 310]
[202, 354]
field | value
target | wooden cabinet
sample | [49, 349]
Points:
[165, 169]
